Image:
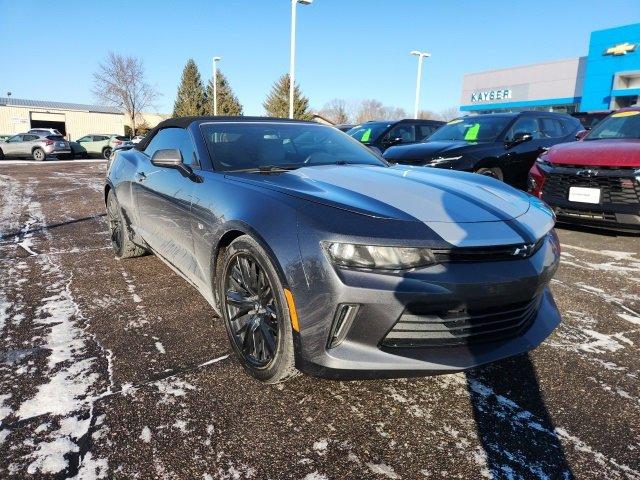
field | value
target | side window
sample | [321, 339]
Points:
[404, 131]
[425, 131]
[173, 138]
[15, 139]
[86, 138]
[31, 138]
[524, 125]
[550, 128]
[100, 138]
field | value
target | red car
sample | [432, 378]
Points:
[595, 181]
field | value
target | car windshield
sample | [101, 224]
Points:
[247, 146]
[368, 132]
[616, 126]
[472, 129]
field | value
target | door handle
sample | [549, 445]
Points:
[141, 177]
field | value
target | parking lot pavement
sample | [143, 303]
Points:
[118, 369]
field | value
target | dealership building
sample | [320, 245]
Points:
[608, 77]
[73, 120]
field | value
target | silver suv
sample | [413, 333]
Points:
[45, 131]
[34, 145]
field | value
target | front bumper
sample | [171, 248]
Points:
[619, 207]
[384, 299]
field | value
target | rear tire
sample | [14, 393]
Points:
[106, 153]
[262, 337]
[118, 229]
[38, 155]
[494, 172]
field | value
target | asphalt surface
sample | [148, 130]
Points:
[119, 369]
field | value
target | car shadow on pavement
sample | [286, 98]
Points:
[21, 233]
[513, 424]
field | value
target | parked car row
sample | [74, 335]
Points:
[584, 182]
[38, 143]
[34, 145]
[595, 181]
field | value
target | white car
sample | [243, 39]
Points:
[137, 138]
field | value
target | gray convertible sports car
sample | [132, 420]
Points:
[322, 258]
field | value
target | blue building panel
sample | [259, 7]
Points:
[603, 64]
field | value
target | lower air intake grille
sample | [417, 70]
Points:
[461, 326]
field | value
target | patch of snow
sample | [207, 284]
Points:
[320, 446]
[160, 348]
[382, 469]
[630, 318]
[145, 435]
[316, 476]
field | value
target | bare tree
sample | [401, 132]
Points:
[449, 113]
[336, 110]
[370, 110]
[428, 115]
[120, 82]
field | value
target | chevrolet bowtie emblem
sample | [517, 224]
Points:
[621, 49]
[523, 250]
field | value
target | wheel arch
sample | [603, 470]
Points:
[235, 230]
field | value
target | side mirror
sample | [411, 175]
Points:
[581, 134]
[520, 137]
[172, 158]
[168, 158]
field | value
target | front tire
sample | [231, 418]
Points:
[38, 155]
[1, 154]
[255, 312]
[494, 172]
[120, 239]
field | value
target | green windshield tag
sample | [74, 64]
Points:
[366, 135]
[472, 133]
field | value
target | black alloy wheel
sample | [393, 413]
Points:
[251, 310]
[118, 232]
[115, 223]
[257, 315]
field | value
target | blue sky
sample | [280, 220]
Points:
[351, 49]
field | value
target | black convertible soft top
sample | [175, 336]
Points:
[184, 122]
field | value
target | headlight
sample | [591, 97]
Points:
[439, 160]
[377, 257]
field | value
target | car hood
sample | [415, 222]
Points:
[605, 153]
[401, 193]
[420, 152]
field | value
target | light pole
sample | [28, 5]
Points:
[215, 85]
[292, 61]
[420, 56]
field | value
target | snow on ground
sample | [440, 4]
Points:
[69, 379]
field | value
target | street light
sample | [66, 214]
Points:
[292, 64]
[215, 85]
[420, 56]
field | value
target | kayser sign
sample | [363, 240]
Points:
[489, 95]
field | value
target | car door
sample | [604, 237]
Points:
[83, 143]
[11, 147]
[520, 156]
[163, 198]
[400, 134]
[28, 143]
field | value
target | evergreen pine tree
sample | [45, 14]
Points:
[192, 98]
[277, 102]
[228, 103]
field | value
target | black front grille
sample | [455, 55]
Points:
[613, 189]
[484, 254]
[416, 328]
[588, 214]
